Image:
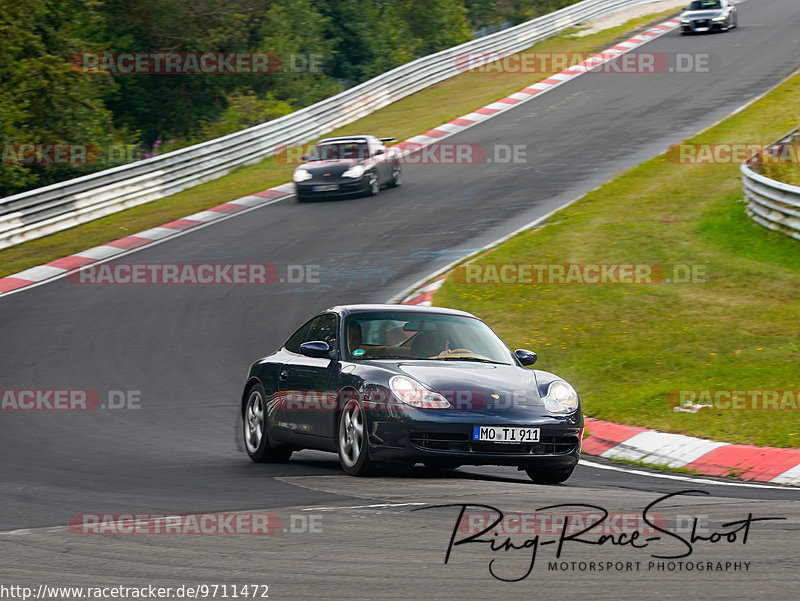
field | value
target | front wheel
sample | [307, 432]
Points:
[374, 185]
[352, 441]
[397, 177]
[549, 476]
[255, 430]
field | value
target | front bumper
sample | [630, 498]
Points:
[439, 441]
[344, 188]
[702, 26]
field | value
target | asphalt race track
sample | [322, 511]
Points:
[185, 350]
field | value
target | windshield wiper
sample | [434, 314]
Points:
[476, 359]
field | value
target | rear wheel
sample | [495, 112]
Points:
[255, 429]
[352, 441]
[549, 476]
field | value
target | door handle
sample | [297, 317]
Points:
[284, 375]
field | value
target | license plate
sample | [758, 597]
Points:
[326, 188]
[505, 434]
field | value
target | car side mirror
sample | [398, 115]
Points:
[379, 151]
[316, 348]
[305, 157]
[525, 356]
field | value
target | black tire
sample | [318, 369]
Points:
[374, 185]
[351, 440]
[397, 177]
[255, 429]
[549, 476]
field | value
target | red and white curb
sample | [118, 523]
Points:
[424, 296]
[65, 265]
[661, 449]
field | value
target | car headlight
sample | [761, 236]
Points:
[416, 395]
[720, 18]
[686, 21]
[301, 175]
[560, 398]
[355, 171]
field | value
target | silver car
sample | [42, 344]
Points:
[709, 15]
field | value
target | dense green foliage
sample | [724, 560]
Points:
[43, 100]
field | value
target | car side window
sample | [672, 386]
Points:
[298, 338]
[325, 328]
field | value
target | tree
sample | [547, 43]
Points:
[42, 99]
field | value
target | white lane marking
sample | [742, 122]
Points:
[692, 479]
[17, 532]
[177, 234]
[375, 506]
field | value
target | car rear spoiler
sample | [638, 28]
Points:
[385, 140]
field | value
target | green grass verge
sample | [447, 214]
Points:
[403, 119]
[625, 347]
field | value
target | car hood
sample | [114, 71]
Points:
[334, 164]
[702, 14]
[478, 385]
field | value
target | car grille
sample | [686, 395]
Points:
[701, 23]
[462, 443]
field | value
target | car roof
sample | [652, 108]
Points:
[364, 138]
[351, 309]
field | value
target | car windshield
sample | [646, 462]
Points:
[339, 150]
[704, 4]
[427, 336]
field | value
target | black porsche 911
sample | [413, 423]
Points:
[393, 384]
[347, 166]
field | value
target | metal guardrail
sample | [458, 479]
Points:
[53, 208]
[771, 203]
